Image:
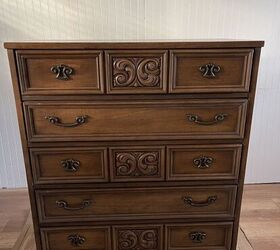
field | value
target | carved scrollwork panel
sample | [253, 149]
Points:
[138, 239]
[137, 163]
[136, 72]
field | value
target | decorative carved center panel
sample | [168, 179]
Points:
[137, 163]
[138, 239]
[136, 72]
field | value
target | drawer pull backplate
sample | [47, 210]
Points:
[79, 120]
[203, 162]
[210, 200]
[70, 165]
[62, 72]
[197, 237]
[64, 204]
[76, 240]
[217, 118]
[209, 70]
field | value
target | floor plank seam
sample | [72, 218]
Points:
[246, 237]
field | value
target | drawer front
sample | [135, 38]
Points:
[136, 71]
[80, 238]
[131, 203]
[204, 236]
[44, 72]
[136, 120]
[137, 163]
[62, 165]
[203, 162]
[142, 237]
[210, 70]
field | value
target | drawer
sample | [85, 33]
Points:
[200, 236]
[221, 70]
[203, 162]
[62, 165]
[51, 72]
[131, 203]
[80, 238]
[205, 119]
[136, 71]
[137, 163]
[138, 237]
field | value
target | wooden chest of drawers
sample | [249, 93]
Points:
[135, 146]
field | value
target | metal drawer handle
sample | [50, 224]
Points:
[203, 162]
[62, 72]
[209, 70]
[70, 165]
[76, 240]
[79, 120]
[64, 204]
[217, 118]
[210, 200]
[197, 237]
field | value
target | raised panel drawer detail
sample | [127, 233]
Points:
[203, 162]
[211, 119]
[128, 203]
[137, 163]
[52, 72]
[80, 238]
[204, 236]
[135, 71]
[145, 237]
[224, 70]
[74, 165]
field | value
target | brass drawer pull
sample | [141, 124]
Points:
[76, 240]
[70, 165]
[203, 162]
[209, 70]
[79, 120]
[217, 118]
[64, 204]
[197, 237]
[210, 200]
[62, 72]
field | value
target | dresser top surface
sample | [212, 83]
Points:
[141, 44]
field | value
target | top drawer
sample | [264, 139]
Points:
[62, 72]
[51, 72]
[223, 70]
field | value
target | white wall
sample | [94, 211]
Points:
[148, 19]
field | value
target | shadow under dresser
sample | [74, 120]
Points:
[135, 145]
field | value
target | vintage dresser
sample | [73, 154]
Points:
[138, 145]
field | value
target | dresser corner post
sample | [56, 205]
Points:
[246, 141]
[22, 129]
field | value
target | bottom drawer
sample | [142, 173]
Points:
[199, 236]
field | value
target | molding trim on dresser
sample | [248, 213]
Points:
[135, 145]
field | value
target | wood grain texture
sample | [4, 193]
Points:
[260, 225]
[146, 20]
[135, 203]
[38, 76]
[162, 120]
[136, 71]
[189, 162]
[154, 44]
[133, 119]
[233, 70]
[62, 165]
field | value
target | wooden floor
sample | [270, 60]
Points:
[259, 226]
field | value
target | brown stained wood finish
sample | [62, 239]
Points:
[145, 119]
[43, 72]
[116, 204]
[170, 144]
